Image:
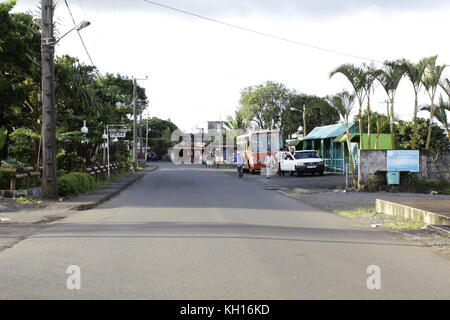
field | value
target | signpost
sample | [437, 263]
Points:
[403, 160]
[115, 131]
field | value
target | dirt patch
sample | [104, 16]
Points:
[17, 205]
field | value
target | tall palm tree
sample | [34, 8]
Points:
[431, 79]
[371, 75]
[445, 85]
[414, 72]
[381, 122]
[389, 78]
[440, 113]
[344, 102]
[357, 78]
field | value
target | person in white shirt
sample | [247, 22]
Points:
[269, 161]
[240, 164]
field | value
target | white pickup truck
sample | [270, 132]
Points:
[302, 161]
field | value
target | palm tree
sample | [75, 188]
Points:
[370, 75]
[238, 122]
[414, 72]
[389, 78]
[445, 85]
[381, 123]
[431, 79]
[440, 113]
[344, 102]
[357, 78]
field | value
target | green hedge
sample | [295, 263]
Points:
[75, 183]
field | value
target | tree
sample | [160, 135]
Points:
[20, 74]
[371, 75]
[344, 102]
[389, 78]
[381, 124]
[263, 104]
[440, 113]
[414, 72]
[238, 122]
[431, 79]
[160, 132]
[318, 112]
[404, 131]
[357, 78]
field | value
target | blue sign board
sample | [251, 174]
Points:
[402, 160]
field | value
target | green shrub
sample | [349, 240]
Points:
[75, 183]
[70, 162]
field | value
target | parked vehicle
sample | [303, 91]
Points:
[255, 146]
[152, 156]
[308, 161]
[286, 162]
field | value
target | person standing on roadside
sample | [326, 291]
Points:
[239, 164]
[269, 161]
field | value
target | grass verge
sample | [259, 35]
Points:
[370, 216]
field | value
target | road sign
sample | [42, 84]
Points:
[121, 130]
[402, 160]
[117, 134]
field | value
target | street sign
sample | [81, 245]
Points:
[403, 160]
[117, 134]
[123, 130]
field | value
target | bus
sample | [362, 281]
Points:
[255, 145]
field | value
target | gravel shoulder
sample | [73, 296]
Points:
[360, 207]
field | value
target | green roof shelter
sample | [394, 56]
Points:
[322, 139]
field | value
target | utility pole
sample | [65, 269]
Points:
[304, 120]
[134, 121]
[135, 100]
[146, 138]
[49, 182]
[140, 130]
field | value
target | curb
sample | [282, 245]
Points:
[440, 230]
[93, 204]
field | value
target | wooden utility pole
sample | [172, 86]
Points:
[304, 120]
[135, 96]
[49, 182]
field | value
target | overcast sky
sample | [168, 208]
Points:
[197, 68]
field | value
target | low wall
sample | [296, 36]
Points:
[431, 169]
[29, 193]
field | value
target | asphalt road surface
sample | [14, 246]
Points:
[186, 232]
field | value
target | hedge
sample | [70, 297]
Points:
[75, 183]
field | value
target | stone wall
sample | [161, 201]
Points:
[29, 193]
[431, 168]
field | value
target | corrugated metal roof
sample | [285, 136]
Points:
[326, 132]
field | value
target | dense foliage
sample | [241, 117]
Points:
[82, 94]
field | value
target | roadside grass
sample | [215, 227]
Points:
[296, 192]
[25, 200]
[369, 215]
[102, 183]
[357, 213]
[405, 224]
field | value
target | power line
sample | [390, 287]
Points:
[81, 38]
[262, 33]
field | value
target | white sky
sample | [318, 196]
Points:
[196, 68]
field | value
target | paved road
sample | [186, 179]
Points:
[192, 233]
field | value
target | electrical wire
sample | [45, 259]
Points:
[261, 33]
[81, 38]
